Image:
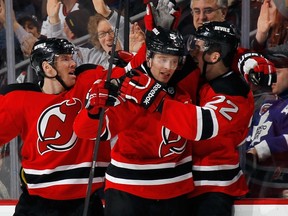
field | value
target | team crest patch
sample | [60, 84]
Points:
[264, 108]
[55, 127]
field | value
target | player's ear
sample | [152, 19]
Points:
[149, 62]
[215, 57]
[47, 68]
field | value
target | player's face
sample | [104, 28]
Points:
[282, 81]
[201, 55]
[206, 10]
[65, 66]
[198, 52]
[105, 35]
[163, 66]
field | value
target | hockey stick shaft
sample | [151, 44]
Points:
[101, 117]
[126, 26]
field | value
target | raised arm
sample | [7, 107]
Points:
[265, 21]
[136, 38]
[111, 16]
[52, 27]
[101, 8]
[25, 39]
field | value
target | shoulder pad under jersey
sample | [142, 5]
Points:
[84, 67]
[20, 86]
[231, 84]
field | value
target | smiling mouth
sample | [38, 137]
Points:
[165, 74]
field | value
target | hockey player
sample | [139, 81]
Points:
[267, 141]
[55, 162]
[167, 15]
[216, 126]
[150, 169]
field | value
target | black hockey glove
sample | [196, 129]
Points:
[257, 70]
[122, 58]
[102, 94]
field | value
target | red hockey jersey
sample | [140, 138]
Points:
[216, 127]
[147, 160]
[55, 161]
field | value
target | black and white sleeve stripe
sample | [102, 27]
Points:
[207, 123]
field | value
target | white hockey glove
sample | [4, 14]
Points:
[166, 15]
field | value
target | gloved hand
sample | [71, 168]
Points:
[102, 94]
[122, 58]
[166, 15]
[143, 90]
[257, 70]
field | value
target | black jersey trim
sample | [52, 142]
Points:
[217, 175]
[20, 86]
[149, 174]
[66, 174]
[230, 84]
[80, 69]
[208, 125]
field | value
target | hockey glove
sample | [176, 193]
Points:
[166, 15]
[143, 90]
[258, 70]
[122, 58]
[101, 95]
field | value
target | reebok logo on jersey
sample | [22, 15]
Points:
[153, 92]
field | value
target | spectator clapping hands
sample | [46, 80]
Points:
[266, 20]
[53, 7]
[136, 37]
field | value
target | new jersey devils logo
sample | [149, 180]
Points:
[171, 144]
[55, 127]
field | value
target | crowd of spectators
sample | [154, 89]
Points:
[33, 20]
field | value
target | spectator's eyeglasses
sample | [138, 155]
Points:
[103, 34]
[206, 11]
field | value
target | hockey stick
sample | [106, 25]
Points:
[101, 117]
[126, 26]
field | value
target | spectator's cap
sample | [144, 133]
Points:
[77, 21]
[282, 7]
[279, 59]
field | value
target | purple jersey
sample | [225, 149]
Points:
[268, 134]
